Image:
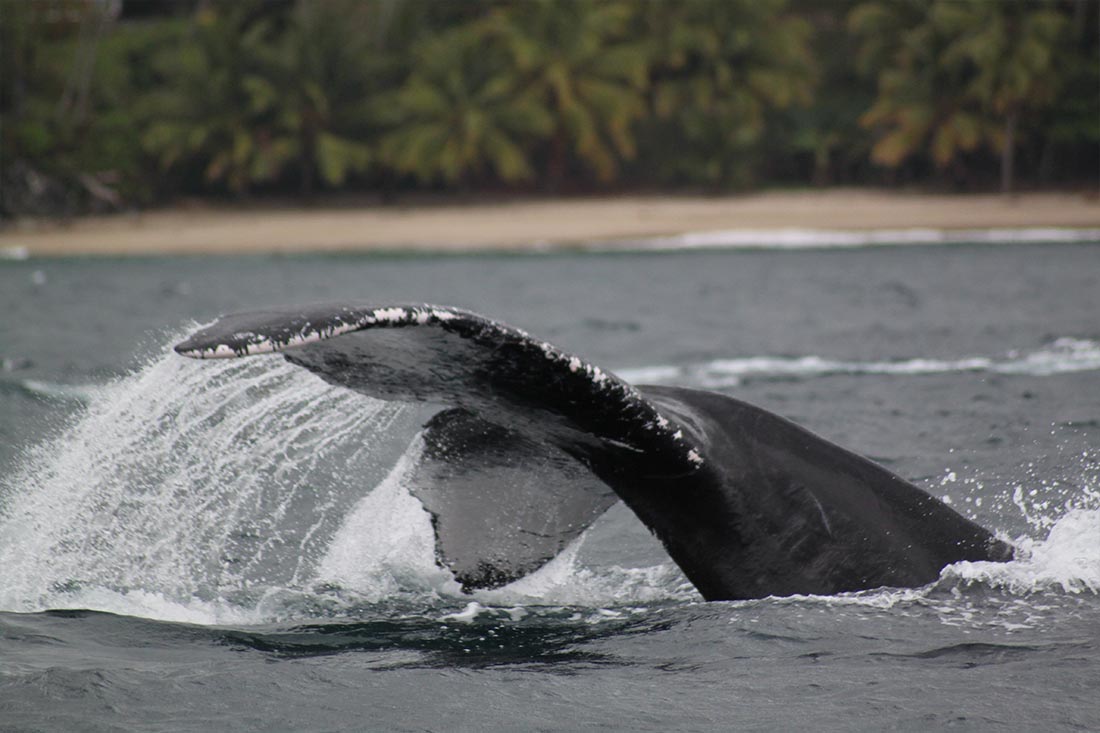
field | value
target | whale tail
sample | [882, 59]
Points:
[539, 442]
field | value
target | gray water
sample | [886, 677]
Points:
[197, 546]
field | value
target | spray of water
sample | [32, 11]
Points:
[242, 492]
[191, 482]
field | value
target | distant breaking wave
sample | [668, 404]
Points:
[794, 238]
[51, 390]
[1062, 356]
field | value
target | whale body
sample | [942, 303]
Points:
[532, 444]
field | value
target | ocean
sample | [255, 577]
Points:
[195, 546]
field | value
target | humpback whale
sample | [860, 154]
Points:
[532, 444]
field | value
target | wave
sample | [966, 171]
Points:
[17, 253]
[1062, 356]
[39, 389]
[796, 238]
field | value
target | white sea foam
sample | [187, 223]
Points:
[1056, 565]
[1063, 355]
[796, 238]
[1068, 560]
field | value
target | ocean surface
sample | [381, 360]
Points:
[198, 546]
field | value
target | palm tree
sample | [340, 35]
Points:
[206, 114]
[953, 76]
[575, 57]
[720, 66]
[460, 113]
[1013, 51]
[921, 103]
[314, 91]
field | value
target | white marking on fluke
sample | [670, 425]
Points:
[249, 343]
[389, 315]
[252, 343]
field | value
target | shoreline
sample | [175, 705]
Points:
[533, 225]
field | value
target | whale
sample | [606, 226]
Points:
[531, 444]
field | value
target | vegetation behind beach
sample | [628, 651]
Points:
[108, 105]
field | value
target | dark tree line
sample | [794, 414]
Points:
[108, 104]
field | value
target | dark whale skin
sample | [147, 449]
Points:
[747, 503]
[779, 511]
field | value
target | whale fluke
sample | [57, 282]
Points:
[538, 442]
[502, 504]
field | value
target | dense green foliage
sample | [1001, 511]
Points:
[109, 104]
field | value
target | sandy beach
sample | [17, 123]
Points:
[534, 223]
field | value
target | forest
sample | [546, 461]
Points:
[110, 105]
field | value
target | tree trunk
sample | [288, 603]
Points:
[94, 26]
[308, 160]
[556, 166]
[1008, 154]
[1046, 163]
[821, 166]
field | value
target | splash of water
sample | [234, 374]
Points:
[405, 560]
[243, 491]
[405, 563]
[191, 482]
[1068, 560]
[1060, 551]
